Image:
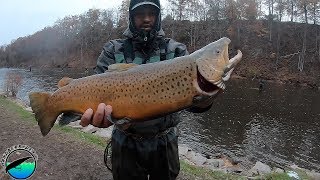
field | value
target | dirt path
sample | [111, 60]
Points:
[61, 156]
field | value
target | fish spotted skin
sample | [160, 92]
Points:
[138, 92]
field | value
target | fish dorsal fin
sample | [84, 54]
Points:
[64, 81]
[120, 67]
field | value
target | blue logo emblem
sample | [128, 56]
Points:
[19, 161]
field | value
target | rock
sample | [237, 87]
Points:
[183, 150]
[90, 129]
[234, 169]
[77, 127]
[196, 158]
[104, 132]
[190, 155]
[74, 124]
[189, 162]
[293, 175]
[28, 109]
[294, 167]
[259, 169]
[223, 170]
[215, 163]
[278, 170]
[58, 119]
[313, 175]
[254, 178]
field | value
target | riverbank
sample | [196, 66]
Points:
[314, 86]
[193, 165]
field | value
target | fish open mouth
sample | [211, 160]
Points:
[205, 85]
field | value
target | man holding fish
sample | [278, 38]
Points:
[151, 147]
[141, 100]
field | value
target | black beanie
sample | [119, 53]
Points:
[136, 3]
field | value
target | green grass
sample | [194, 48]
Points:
[28, 116]
[25, 115]
[302, 174]
[276, 176]
[94, 139]
[206, 174]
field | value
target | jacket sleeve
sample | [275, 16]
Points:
[106, 58]
[181, 50]
[178, 49]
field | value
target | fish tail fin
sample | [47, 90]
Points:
[45, 115]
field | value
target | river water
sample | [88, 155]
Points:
[278, 126]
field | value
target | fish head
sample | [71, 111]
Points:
[214, 66]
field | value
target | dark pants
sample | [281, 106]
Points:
[136, 159]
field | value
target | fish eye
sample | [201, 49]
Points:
[218, 51]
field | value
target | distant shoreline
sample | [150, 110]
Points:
[234, 76]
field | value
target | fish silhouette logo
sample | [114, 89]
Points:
[19, 161]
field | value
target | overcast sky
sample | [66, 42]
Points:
[20, 18]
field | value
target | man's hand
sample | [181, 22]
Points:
[99, 119]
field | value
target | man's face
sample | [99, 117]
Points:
[145, 17]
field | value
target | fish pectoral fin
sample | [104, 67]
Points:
[64, 81]
[120, 67]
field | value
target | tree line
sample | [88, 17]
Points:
[78, 39]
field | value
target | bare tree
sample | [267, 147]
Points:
[13, 81]
[195, 10]
[249, 9]
[178, 9]
[314, 9]
[280, 6]
[124, 13]
[215, 9]
[270, 4]
[303, 4]
[291, 9]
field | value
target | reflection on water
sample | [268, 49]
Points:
[278, 126]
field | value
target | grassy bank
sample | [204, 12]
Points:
[29, 117]
[188, 171]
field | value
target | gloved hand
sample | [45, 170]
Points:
[99, 119]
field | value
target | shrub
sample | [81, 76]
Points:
[12, 83]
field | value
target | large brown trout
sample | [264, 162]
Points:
[141, 92]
